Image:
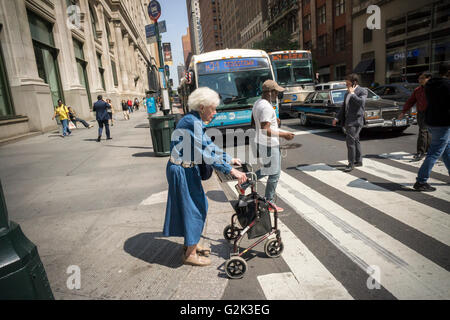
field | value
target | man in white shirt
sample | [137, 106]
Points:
[267, 138]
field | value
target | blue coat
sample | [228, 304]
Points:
[187, 204]
[100, 107]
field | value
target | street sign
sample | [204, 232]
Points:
[167, 53]
[154, 10]
[150, 31]
[162, 26]
[166, 68]
[151, 40]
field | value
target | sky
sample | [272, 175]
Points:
[174, 12]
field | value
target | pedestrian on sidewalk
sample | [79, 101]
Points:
[266, 143]
[62, 112]
[437, 118]
[187, 204]
[100, 107]
[125, 110]
[351, 117]
[74, 119]
[136, 104]
[110, 112]
[418, 98]
[130, 105]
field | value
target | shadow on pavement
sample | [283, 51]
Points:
[217, 195]
[144, 154]
[149, 247]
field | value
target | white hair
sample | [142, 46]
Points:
[203, 96]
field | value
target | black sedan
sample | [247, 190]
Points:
[399, 92]
[323, 106]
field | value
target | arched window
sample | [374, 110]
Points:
[93, 22]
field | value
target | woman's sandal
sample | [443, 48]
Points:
[200, 250]
[197, 261]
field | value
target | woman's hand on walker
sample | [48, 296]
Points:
[242, 177]
[236, 162]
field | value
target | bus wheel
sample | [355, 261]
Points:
[303, 119]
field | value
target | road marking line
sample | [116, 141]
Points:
[311, 279]
[430, 221]
[298, 133]
[402, 177]
[404, 272]
[407, 158]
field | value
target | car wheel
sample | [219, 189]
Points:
[303, 119]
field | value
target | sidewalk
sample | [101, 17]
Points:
[100, 206]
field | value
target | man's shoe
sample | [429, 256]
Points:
[98, 139]
[349, 168]
[279, 209]
[419, 156]
[358, 164]
[109, 138]
[425, 187]
[240, 190]
[90, 126]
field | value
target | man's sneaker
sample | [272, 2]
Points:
[240, 190]
[98, 139]
[423, 187]
[349, 168]
[279, 209]
[358, 164]
[419, 156]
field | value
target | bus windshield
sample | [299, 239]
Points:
[293, 72]
[238, 86]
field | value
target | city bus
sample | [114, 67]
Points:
[293, 71]
[237, 76]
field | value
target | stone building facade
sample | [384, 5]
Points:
[72, 50]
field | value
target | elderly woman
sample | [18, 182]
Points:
[187, 204]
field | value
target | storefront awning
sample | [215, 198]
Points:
[365, 66]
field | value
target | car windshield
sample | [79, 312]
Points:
[338, 96]
[411, 86]
[240, 85]
[372, 95]
[292, 72]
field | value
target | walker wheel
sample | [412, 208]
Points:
[273, 248]
[235, 267]
[230, 232]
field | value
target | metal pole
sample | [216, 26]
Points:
[158, 39]
[4, 221]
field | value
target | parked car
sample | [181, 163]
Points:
[399, 92]
[323, 106]
[330, 85]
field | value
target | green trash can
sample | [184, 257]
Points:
[161, 128]
[22, 275]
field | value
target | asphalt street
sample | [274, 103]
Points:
[359, 235]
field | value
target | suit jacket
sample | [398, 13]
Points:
[352, 115]
[100, 108]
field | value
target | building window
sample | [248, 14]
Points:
[322, 45]
[367, 35]
[94, 27]
[307, 22]
[114, 72]
[340, 72]
[321, 15]
[46, 55]
[108, 33]
[307, 46]
[339, 38]
[340, 7]
[81, 67]
[101, 70]
[6, 104]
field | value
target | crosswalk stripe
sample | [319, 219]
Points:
[407, 158]
[315, 281]
[402, 177]
[299, 133]
[404, 273]
[428, 220]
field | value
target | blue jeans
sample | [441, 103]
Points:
[65, 127]
[271, 159]
[439, 147]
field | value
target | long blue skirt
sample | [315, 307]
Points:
[187, 204]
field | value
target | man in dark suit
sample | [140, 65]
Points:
[100, 107]
[351, 117]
